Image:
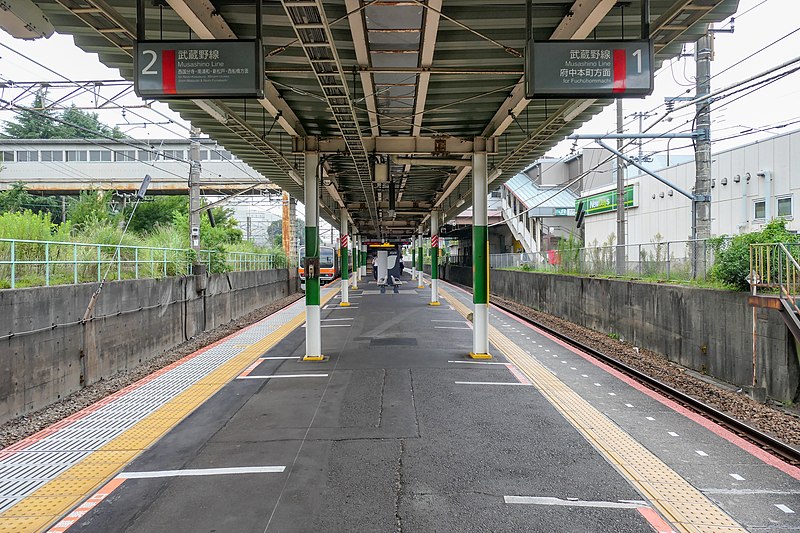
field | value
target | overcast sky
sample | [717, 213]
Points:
[758, 24]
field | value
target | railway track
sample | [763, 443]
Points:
[778, 448]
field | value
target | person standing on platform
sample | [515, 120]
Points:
[375, 267]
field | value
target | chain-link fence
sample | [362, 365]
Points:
[678, 260]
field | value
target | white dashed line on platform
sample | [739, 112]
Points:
[784, 508]
[737, 477]
[650, 418]
[673, 434]
[701, 453]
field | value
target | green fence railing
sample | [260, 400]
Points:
[28, 263]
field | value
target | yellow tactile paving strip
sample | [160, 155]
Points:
[674, 497]
[50, 502]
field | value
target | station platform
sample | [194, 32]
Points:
[398, 430]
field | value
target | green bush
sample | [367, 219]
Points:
[732, 263]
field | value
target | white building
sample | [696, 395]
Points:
[750, 185]
[67, 166]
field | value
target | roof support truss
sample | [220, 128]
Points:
[314, 34]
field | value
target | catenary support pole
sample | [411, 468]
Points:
[344, 244]
[480, 252]
[311, 201]
[194, 193]
[702, 152]
[620, 258]
[434, 258]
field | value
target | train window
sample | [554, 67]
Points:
[326, 258]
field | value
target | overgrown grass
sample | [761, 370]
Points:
[90, 250]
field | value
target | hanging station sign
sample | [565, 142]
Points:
[607, 201]
[199, 69]
[588, 69]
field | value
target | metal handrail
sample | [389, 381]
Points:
[774, 267]
[34, 262]
[666, 260]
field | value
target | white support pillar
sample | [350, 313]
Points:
[344, 259]
[413, 257]
[480, 252]
[434, 258]
[356, 260]
[420, 261]
[362, 270]
[311, 201]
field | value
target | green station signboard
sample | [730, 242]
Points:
[607, 201]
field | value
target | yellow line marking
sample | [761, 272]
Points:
[675, 498]
[48, 503]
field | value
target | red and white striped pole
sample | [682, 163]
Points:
[434, 258]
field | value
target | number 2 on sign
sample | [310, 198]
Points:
[146, 70]
[638, 55]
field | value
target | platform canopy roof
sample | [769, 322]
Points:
[421, 78]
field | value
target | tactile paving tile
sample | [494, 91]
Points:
[675, 498]
[44, 476]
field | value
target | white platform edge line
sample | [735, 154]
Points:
[202, 472]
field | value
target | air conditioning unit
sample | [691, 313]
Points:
[22, 19]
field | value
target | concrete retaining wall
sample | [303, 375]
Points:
[710, 331]
[135, 321]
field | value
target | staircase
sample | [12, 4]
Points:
[775, 272]
[518, 229]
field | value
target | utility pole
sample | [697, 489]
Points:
[702, 153]
[701, 225]
[194, 192]
[620, 198]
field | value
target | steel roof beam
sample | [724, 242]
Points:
[319, 44]
[205, 21]
[388, 145]
[361, 46]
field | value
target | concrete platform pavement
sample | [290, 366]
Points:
[387, 435]
[399, 431]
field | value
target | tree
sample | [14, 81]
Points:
[160, 210]
[91, 207]
[18, 199]
[35, 123]
[40, 122]
[83, 125]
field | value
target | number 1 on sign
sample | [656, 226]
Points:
[638, 55]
